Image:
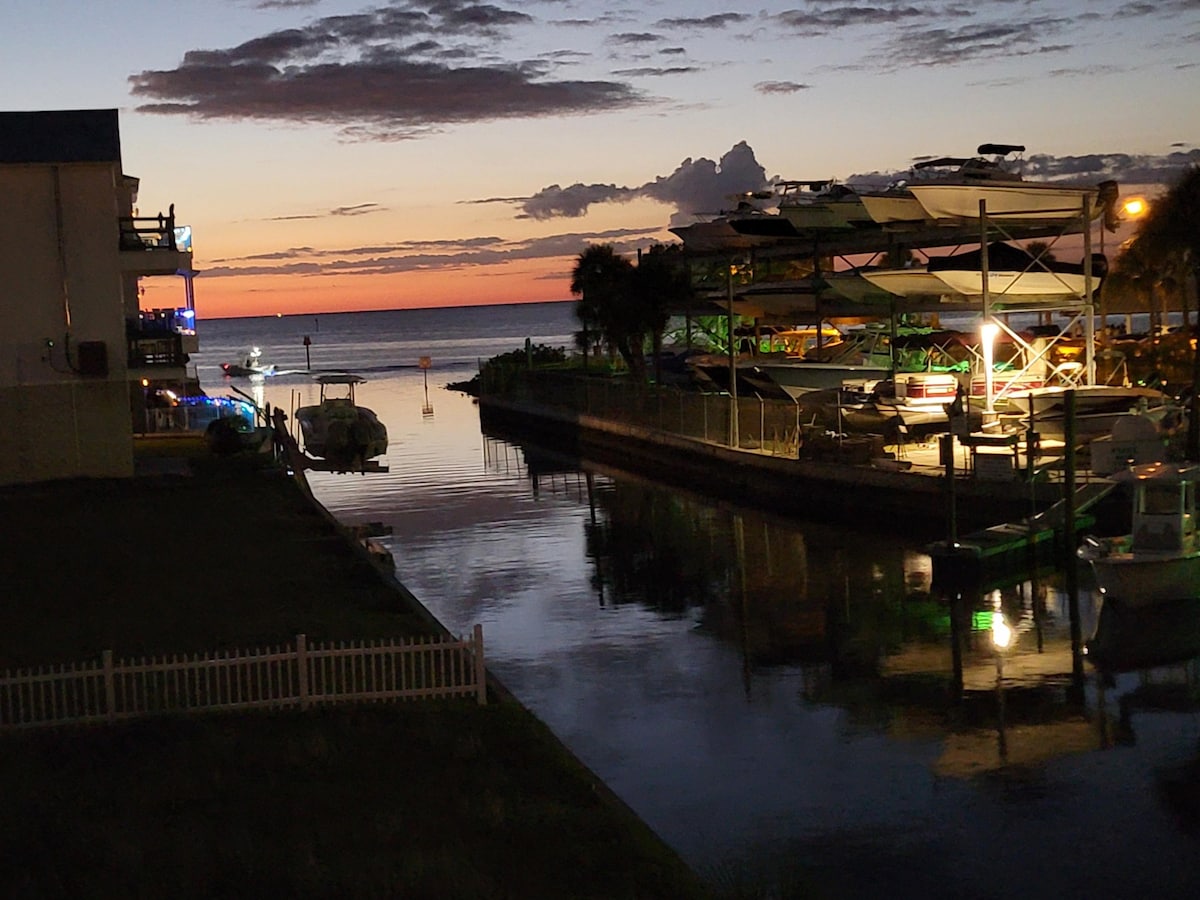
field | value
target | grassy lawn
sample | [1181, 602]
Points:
[392, 800]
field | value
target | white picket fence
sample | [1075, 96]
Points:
[301, 675]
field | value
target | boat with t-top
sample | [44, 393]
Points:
[337, 429]
[1159, 560]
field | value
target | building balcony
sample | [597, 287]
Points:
[155, 245]
[160, 338]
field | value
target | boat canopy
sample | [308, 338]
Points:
[340, 378]
[999, 149]
[1004, 257]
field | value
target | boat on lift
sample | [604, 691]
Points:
[337, 429]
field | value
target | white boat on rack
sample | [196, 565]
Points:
[821, 206]
[896, 205]
[1098, 407]
[1014, 199]
[1014, 272]
[914, 281]
[1159, 560]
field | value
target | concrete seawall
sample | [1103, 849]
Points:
[857, 494]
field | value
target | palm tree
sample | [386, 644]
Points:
[629, 305]
[1170, 232]
[599, 279]
[661, 283]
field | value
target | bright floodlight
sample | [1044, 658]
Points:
[1001, 633]
[1134, 207]
[988, 331]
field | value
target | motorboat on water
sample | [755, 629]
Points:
[251, 364]
[337, 429]
[1159, 560]
[1013, 271]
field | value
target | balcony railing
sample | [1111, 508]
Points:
[164, 349]
[161, 322]
[150, 233]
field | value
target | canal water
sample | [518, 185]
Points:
[785, 702]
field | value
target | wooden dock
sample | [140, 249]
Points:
[1015, 546]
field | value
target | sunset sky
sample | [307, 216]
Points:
[349, 154]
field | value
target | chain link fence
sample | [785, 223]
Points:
[766, 426]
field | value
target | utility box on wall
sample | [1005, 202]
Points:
[93, 359]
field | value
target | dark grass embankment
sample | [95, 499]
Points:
[391, 800]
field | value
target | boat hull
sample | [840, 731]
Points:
[800, 377]
[1023, 200]
[342, 434]
[914, 282]
[890, 208]
[1144, 580]
[1015, 284]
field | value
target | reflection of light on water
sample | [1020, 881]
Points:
[918, 572]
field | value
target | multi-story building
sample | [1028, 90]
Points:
[79, 358]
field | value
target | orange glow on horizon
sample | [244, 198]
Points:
[532, 281]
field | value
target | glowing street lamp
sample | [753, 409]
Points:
[1135, 207]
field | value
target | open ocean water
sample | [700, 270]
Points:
[776, 698]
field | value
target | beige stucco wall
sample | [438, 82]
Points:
[66, 430]
[61, 282]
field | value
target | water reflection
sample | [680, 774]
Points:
[774, 696]
[872, 699]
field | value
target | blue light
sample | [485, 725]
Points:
[189, 314]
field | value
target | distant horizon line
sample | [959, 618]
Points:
[338, 312]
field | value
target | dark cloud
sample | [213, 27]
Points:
[360, 209]
[1123, 167]
[653, 71]
[1087, 71]
[640, 38]
[696, 186]
[846, 15]
[922, 46]
[285, 4]
[392, 72]
[425, 255]
[1164, 8]
[572, 202]
[718, 20]
[780, 87]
